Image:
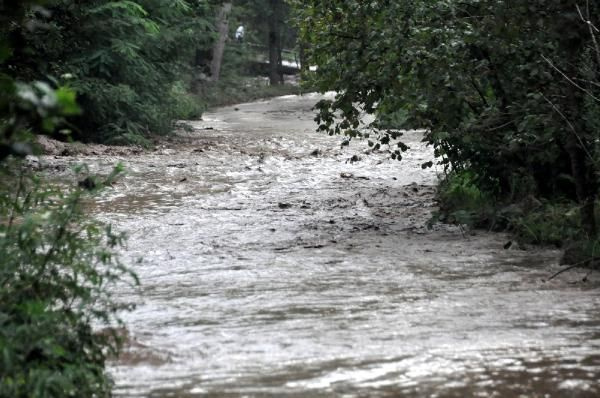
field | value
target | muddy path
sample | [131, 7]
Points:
[274, 266]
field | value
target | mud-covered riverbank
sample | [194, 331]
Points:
[277, 264]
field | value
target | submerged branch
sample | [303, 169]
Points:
[576, 265]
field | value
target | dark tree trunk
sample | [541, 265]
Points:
[585, 184]
[275, 74]
[202, 62]
[578, 137]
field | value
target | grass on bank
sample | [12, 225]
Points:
[530, 220]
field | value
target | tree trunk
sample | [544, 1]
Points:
[585, 184]
[275, 75]
[578, 138]
[219, 47]
[583, 172]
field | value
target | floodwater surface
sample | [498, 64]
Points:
[276, 264]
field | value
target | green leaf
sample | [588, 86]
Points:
[66, 100]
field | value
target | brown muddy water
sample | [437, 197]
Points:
[275, 267]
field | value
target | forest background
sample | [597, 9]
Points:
[507, 92]
[137, 66]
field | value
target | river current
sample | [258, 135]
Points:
[277, 264]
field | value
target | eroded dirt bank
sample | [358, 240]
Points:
[273, 266]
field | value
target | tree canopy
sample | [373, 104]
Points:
[505, 89]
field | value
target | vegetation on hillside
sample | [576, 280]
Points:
[58, 265]
[126, 60]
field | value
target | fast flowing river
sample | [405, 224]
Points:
[274, 266]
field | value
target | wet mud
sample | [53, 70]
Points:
[276, 264]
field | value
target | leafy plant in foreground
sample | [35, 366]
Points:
[57, 271]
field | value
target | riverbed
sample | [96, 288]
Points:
[276, 263]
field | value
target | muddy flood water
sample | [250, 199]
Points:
[273, 266]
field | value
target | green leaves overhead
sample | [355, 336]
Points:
[472, 72]
[505, 89]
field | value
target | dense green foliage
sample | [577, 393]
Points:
[136, 65]
[57, 265]
[508, 91]
[57, 268]
[129, 61]
[26, 107]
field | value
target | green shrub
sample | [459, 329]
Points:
[533, 221]
[186, 105]
[58, 267]
[552, 223]
[462, 201]
[394, 120]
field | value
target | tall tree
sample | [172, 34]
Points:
[274, 42]
[222, 36]
[268, 20]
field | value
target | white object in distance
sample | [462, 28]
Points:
[239, 33]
